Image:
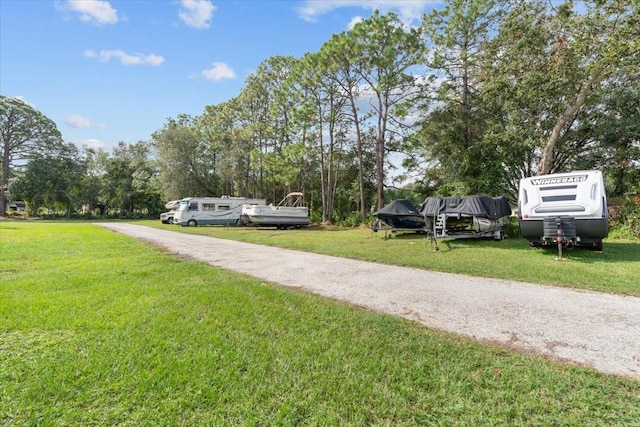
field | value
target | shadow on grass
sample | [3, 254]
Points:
[612, 252]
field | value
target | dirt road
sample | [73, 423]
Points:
[588, 328]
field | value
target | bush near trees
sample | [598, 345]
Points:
[472, 98]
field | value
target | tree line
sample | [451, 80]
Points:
[478, 95]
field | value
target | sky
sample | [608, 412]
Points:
[111, 71]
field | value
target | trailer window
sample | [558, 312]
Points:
[562, 198]
[193, 206]
[559, 187]
[560, 209]
[224, 207]
[208, 207]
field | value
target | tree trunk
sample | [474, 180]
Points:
[5, 180]
[380, 168]
[380, 148]
[546, 161]
[359, 154]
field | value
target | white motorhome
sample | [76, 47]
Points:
[167, 217]
[568, 208]
[225, 210]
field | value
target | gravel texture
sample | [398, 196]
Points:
[591, 329]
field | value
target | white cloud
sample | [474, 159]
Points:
[355, 20]
[78, 121]
[409, 11]
[125, 58]
[97, 12]
[218, 72]
[89, 143]
[196, 13]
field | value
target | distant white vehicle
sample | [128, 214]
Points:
[167, 217]
[225, 210]
[567, 208]
[17, 206]
[291, 212]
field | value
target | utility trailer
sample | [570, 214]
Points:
[566, 209]
[466, 217]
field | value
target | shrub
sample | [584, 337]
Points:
[512, 229]
[625, 221]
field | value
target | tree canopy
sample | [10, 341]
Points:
[24, 133]
[481, 94]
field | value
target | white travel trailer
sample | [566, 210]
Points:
[565, 208]
[225, 210]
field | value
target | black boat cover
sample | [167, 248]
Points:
[400, 207]
[492, 208]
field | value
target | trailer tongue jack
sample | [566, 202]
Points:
[562, 231]
[559, 239]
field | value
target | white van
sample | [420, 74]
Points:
[225, 210]
[568, 206]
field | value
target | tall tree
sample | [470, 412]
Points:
[187, 162]
[454, 129]
[611, 130]
[287, 170]
[131, 180]
[93, 179]
[229, 146]
[589, 45]
[253, 119]
[388, 51]
[320, 115]
[545, 65]
[343, 63]
[24, 133]
[517, 90]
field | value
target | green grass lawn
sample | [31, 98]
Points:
[97, 328]
[615, 270]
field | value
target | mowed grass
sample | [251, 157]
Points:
[97, 328]
[615, 270]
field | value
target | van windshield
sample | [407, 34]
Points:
[183, 206]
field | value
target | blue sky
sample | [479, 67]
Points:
[110, 71]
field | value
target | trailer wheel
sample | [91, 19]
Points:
[192, 223]
[597, 246]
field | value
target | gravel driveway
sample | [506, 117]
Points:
[593, 329]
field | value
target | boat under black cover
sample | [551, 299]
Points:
[468, 216]
[402, 215]
[492, 208]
